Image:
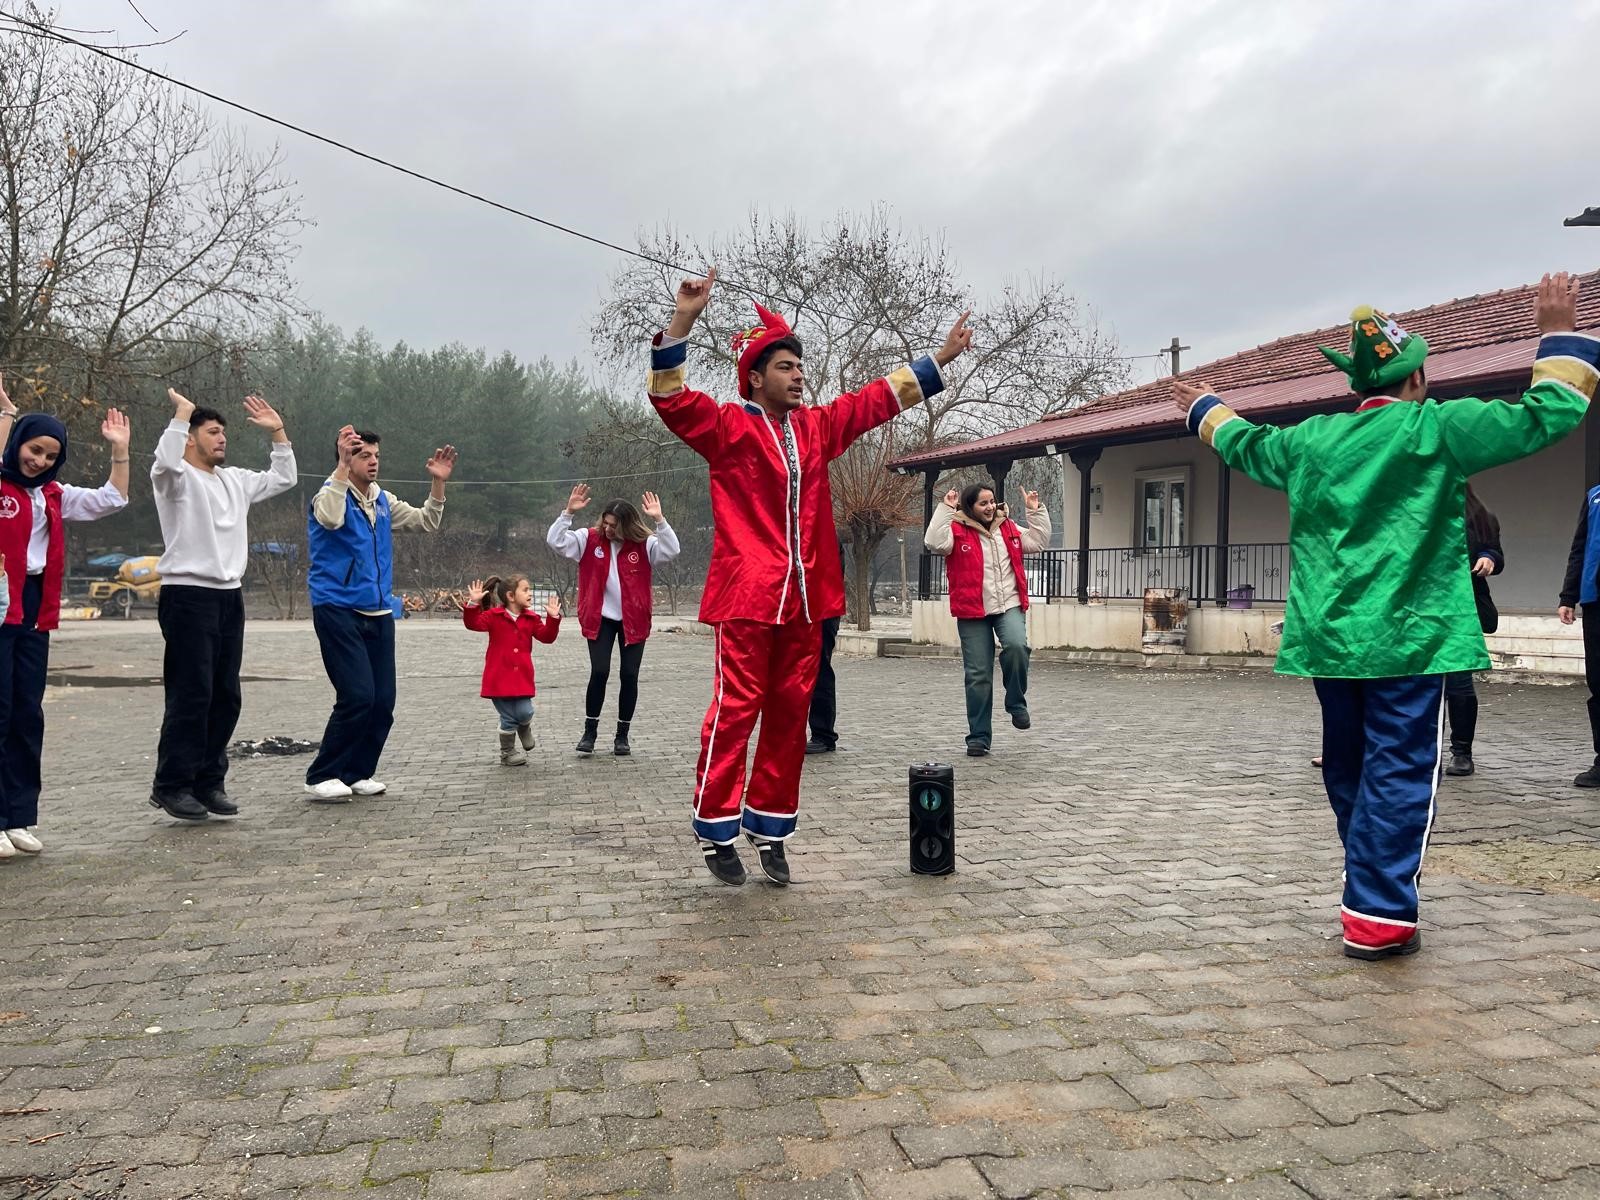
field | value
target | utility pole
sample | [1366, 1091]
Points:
[1174, 350]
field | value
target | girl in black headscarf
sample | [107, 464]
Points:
[33, 557]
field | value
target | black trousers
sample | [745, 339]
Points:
[600, 672]
[825, 699]
[1591, 669]
[358, 653]
[24, 663]
[204, 633]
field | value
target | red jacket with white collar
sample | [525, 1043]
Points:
[775, 555]
[508, 663]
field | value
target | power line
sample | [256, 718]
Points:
[46, 31]
[529, 482]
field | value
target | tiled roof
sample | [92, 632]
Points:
[1479, 339]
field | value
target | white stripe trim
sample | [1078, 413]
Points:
[1433, 796]
[711, 741]
[788, 554]
[1350, 912]
[775, 815]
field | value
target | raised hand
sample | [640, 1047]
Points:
[182, 406]
[1030, 500]
[115, 429]
[578, 499]
[263, 416]
[695, 294]
[475, 593]
[952, 499]
[650, 505]
[1555, 305]
[958, 339]
[442, 463]
[552, 607]
[349, 443]
[7, 408]
[1185, 394]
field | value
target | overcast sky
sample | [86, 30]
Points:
[1227, 171]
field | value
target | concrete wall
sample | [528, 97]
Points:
[1524, 642]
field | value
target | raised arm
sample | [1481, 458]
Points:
[939, 539]
[429, 517]
[694, 417]
[853, 414]
[1036, 533]
[167, 473]
[561, 536]
[1260, 451]
[663, 546]
[280, 474]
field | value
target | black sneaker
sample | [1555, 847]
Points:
[1021, 720]
[1590, 778]
[724, 863]
[773, 862]
[620, 746]
[181, 805]
[1399, 950]
[818, 746]
[1460, 764]
[977, 750]
[215, 801]
[586, 742]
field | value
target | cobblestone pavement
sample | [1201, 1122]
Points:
[520, 982]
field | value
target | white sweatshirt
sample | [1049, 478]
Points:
[203, 513]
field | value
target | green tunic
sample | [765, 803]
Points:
[1377, 542]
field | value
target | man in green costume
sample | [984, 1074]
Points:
[1380, 603]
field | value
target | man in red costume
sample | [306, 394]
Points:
[775, 574]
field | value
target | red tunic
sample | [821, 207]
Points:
[775, 555]
[508, 663]
[964, 568]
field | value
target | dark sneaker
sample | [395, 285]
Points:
[215, 801]
[1021, 720]
[1590, 778]
[586, 742]
[620, 745]
[818, 746]
[1460, 764]
[977, 750]
[723, 862]
[774, 864]
[179, 805]
[1373, 953]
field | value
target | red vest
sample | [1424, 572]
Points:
[964, 568]
[16, 528]
[633, 573]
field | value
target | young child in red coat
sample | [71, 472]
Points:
[512, 627]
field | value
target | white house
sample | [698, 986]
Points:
[1148, 505]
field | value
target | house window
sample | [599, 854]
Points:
[1097, 500]
[1163, 509]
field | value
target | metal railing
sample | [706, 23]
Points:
[1251, 573]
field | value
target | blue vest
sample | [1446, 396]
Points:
[352, 566]
[1589, 592]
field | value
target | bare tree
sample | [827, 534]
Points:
[131, 226]
[864, 297]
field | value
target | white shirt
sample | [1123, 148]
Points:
[77, 504]
[204, 513]
[660, 547]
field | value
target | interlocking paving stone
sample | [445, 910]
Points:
[499, 982]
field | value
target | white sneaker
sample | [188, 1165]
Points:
[329, 791]
[368, 787]
[24, 841]
[7, 850]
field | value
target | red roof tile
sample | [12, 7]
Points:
[1479, 339]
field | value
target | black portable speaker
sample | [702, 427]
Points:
[933, 818]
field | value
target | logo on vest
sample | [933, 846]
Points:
[965, 547]
[633, 556]
[599, 552]
[9, 507]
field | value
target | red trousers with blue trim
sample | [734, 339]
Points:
[1381, 740]
[767, 672]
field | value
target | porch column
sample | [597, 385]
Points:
[1224, 487]
[998, 470]
[924, 576]
[1084, 459]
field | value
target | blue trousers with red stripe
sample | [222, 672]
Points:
[1380, 765]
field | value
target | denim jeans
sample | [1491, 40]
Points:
[978, 637]
[514, 711]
